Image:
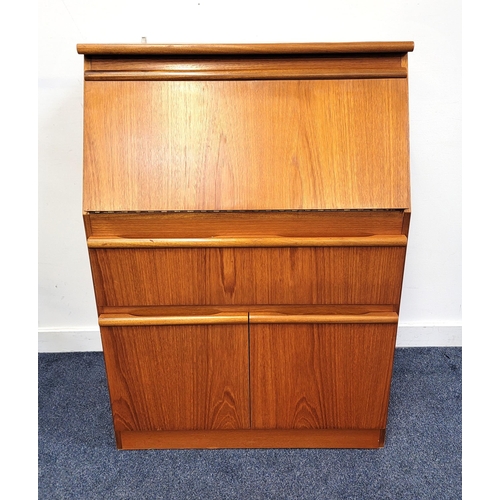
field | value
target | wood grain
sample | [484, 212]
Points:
[218, 276]
[320, 376]
[245, 223]
[177, 377]
[364, 310]
[242, 49]
[292, 315]
[250, 242]
[258, 317]
[281, 63]
[125, 319]
[222, 145]
[248, 68]
[406, 222]
[255, 438]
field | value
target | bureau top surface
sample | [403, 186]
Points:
[233, 49]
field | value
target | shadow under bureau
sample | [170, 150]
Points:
[247, 210]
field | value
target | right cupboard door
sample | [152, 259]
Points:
[320, 375]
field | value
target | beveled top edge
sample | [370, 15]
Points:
[228, 49]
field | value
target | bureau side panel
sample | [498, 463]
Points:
[246, 145]
[320, 376]
[182, 377]
[218, 276]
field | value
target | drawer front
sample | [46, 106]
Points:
[179, 377]
[218, 276]
[321, 376]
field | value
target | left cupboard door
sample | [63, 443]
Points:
[177, 377]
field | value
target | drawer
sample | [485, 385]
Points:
[218, 276]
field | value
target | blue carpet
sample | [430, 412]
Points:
[421, 459]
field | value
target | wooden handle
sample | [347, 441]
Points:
[244, 318]
[208, 319]
[244, 74]
[337, 241]
[378, 317]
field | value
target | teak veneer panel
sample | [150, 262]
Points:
[246, 145]
[178, 377]
[248, 68]
[253, 310]
[245, 224]
[253, 438]
[319, 376]
[216, 276]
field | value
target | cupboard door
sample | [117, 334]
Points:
[177, 377]
[320, 376]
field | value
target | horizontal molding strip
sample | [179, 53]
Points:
[231, 309]
[263, 73]
[240, 49]
[209, 319]
[379, 317]
[335, 241]
[252, 438]
[245, 317]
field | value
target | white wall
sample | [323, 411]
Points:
[431, 302]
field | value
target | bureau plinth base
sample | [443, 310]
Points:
[254, 438]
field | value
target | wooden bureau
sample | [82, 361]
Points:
[247, 210]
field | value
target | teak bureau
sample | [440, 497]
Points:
[247, 210]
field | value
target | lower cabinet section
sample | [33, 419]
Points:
[226, 382]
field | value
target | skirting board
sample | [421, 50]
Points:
[409, 335]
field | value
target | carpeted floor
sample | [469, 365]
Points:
[421, 459]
